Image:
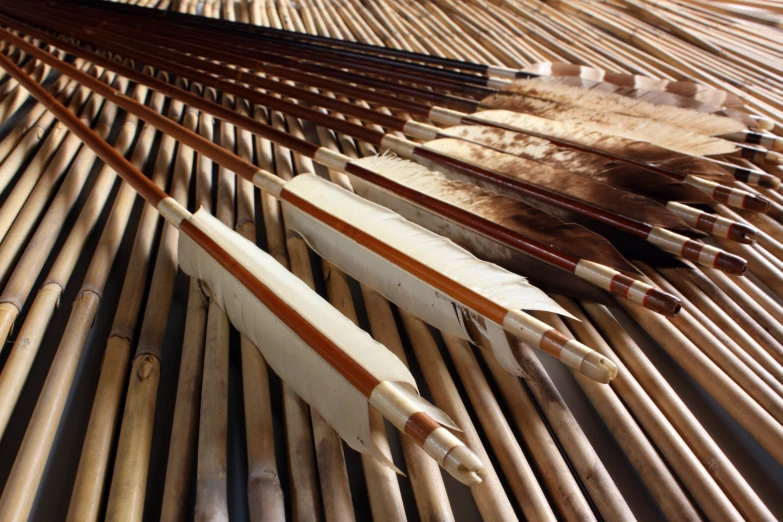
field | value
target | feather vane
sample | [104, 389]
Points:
[621, 175]
[639, 84]
[630, 127]
[598, 195]
[705, 123]
[417, 251]
[307, 371]
[614, 145]
[511, 214]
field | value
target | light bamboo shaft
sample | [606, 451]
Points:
[757, 357]
[588, 466]
[22, 486]
[128, 485]
[338, 505]
[694, 476]
[382, 486]
[212, 467]
[550, 463]
[24, 137]
[432, 501]
[31, 334]
[660, 482]
[46, 167]
[184, 430]
[512, 460]
[729, 358]
[184, 427]
[303, 484]
[698, 439]
[100, 437]
[491, 499]
[23, 483]
[265, 496]
[742, 298]
[737, 403]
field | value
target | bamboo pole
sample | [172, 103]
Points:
[429, 490]
[683, 461]
[588, 466]
[127, 491]
[655, 474]
[336, 492]
[305, 494]
[18, 144]
[382, 486]
[737, 403]
[550, 463]
[39, 167]
[491, 499]
[88, 491]
[212, 466]
[23, 483]
[744, 301]
[731, 318]
[727, 355]
[265, 497]
[512, 460]
[21, 358]
[658, 389]
[184, 427]
[19, 95]
[80, 160]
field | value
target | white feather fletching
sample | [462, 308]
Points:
[403, 288]
[343, 406]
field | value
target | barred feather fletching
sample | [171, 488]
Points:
[708, 124]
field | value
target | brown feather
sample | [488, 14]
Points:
[630, 127]
[601, 142]
[654, 98]
[511, 214]
[573, 186]
[621, 175]
[696, 91]
[704, 123]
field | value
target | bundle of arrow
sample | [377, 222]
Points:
[382, 190]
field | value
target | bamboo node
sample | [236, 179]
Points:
[146, 366]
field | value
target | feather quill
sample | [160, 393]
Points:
[630, 127]
[704, 123]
